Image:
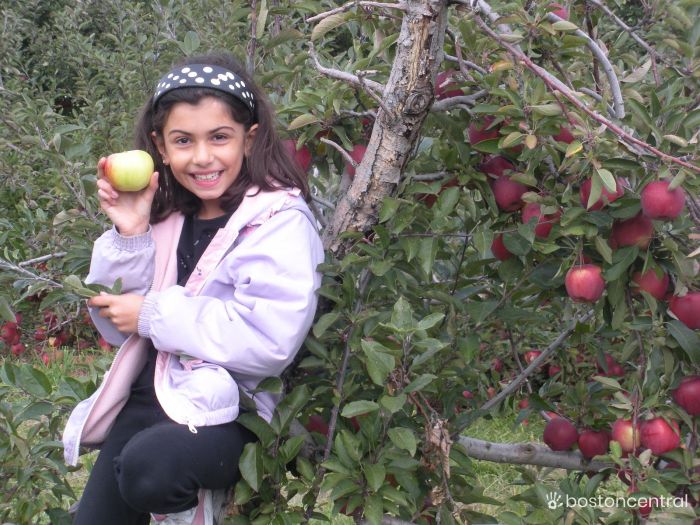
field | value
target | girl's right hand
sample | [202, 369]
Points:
[130, 211]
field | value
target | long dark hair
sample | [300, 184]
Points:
[268, 166]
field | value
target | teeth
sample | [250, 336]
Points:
[210, 176]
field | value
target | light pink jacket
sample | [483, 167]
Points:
[247, 308]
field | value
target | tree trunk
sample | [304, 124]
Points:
[406, 101]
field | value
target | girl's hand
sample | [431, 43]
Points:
[123, 310]
[130, 211]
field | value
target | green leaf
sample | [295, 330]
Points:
[374, 474]
[257, 426]
[604, 249]
[688, 339]
[430, 320]
[573, 148]
[379, 363]
[251, 465]
[357, 408]
[302, 120]
[403, 439]
[608, 180]
[564, 26]
[547, 110]
[270, 384]
[328, 24]
[374, 509]
[6, 313]
[393, 403]
[324, 322]
[402, 314]
[623, 258]
[419, 383]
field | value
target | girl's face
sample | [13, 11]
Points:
[204, 148]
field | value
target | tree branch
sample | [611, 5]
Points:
[528, 454]
[350, 5]
[343, 75]
[554, 84]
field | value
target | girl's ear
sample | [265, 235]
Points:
[249, 138]
[160, 146]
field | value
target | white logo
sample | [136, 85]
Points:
[553, 500]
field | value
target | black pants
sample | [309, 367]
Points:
[148, 463]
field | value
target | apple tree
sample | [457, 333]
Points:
[508, 197]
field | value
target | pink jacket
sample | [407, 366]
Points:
[246, 308]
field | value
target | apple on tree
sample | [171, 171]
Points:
[626, 435]
[559, 10]
[481, 131]
[560, 434]
[606, 197]
[499, 250]
[508, 193]
[564, 134]
[545, 222]
[593, 443]
[687, 395]
[301, 156]
[129, 170]
[636, 231]
[445, 86]
[658, 202]
[658, 436]
[584, 283]
[357, 153]
[655, 284]
[687, 309]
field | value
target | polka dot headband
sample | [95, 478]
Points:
[209, 76]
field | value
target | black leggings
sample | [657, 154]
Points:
[148, 463]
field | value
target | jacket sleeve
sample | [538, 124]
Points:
[257, 327]
[115, 256]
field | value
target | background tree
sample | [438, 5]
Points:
[499, 186]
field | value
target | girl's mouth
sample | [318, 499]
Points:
[207, 179]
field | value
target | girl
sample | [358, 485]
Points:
[217, 258]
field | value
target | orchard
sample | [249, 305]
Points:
[508, 197]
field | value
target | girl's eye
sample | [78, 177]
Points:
[220, 137]
[182, 140]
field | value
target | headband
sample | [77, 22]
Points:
[204, 75]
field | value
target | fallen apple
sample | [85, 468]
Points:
[129, 170]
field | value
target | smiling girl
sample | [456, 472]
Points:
[217, 258]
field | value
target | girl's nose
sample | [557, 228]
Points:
[202, 153]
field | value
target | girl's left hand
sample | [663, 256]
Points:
[123, 310]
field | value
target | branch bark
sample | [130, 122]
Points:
[407, 98]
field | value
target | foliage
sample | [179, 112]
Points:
[419, 310]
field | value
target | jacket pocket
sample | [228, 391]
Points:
[206, 386]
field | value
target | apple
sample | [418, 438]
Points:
[129, 170]
[593, 443]
[687, 395]
[544, 222]
[445, 87]
[301, 156]
[687, 309]
[531, 355]
[651, 283]
[467, 394]
[508, 193]
[356, 153]
[496, 165]
[497, 364]
[429, 199]
[523, 404]
[559, 10]
[560, 434]
[564, 134]
[490, 392]
[479, 131]
[658, 202]
[658, 436]
[9, 333]
[605, 197]
[103, 344]
[614, 369]
[499, 250]
[584, 283]
[18, 349]
[553, 370]
[624, 433]
[316, 423]
[636, 231]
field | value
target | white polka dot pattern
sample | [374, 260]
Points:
[204, 75]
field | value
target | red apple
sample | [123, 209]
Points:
[103, 344]
[658, 436]
[559, 10]
[497, 364]
[605, 197]
[651, 283]
[584, 283]
[357, 153]
[301, 156]
[531, 355]
[544, 222]
[660, 203]
[9, 333]
[593, 443]
[687, 395]
[445, 87]
[499, 249]
[553, 370]
[316, 423]
[564, 134]
[636, 231]
[468, 394]
[508, 193]
[18, 349]
[523, 404]
[687, 309]
[129, 170]
[431, 199]
[614, 369]
[496, 166]
[624, 433]
[479, 131]
[560, 434]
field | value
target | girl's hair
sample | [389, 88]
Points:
[268, 166]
